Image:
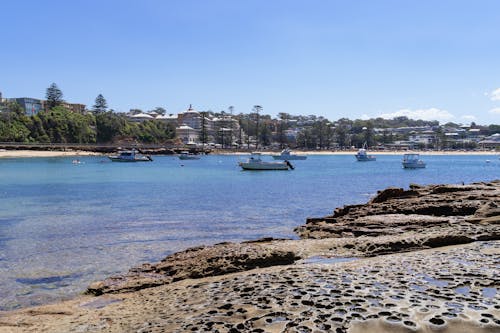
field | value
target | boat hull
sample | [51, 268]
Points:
[365, 158]
[189, 158]
[119, 159]
[289, 157]
[413, 165]
[264, 166]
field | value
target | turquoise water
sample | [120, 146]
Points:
[63, 226]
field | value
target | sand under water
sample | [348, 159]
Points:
[378, 267]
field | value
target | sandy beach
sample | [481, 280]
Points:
[353, 152]
[399, 152]
[55, 153]
[44, 153]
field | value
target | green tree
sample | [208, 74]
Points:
[110, 125]
[231, 126]
[12, 125]
[203, 131]
[54, 96]
[100, 105]
[257, 109]
[282, 127]
[159, 110]
[63, 126]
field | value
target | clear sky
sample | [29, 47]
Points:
[436, 59]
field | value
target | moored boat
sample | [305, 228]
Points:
[286, 155]
[256, 163]
[362, 156]
[130, 156]
[412, 161]
[188, 156]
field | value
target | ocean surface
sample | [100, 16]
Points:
[64, 225]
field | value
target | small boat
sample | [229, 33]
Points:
[362, 156]
[286, 155]
[130, 156]
[412, 161]
[256, 163]
[184, 155]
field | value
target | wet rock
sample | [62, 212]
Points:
[195, 262]
[469, 210]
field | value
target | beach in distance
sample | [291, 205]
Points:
[59, 153]
[250, 166]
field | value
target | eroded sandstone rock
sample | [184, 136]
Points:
[195, 262]
[396, 220]
[395, 210]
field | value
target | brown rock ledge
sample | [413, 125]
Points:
[207, 289]
[450, 290]
[395, 220]
[395, 211]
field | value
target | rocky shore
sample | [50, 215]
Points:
[422, 259]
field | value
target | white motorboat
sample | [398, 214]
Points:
[188, 156]
[256, 163]
[130, 156]
[286, 155]
[362, 156]
[412, 161]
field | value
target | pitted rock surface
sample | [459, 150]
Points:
[196, 262]
[395, 210]
[453, 289]
[395, 220]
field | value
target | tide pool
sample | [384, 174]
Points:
[64, 225]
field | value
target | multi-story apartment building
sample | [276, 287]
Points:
[31, 106]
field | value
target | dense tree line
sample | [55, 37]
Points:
[59, 125]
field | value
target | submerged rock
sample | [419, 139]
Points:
[393, 221]
[452, 289]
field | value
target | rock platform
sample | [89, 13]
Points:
[424, 259]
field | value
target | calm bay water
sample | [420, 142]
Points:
[63, 226]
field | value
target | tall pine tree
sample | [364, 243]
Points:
[54, 96]
[100, 105]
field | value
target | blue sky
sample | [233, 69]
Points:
[356, 59]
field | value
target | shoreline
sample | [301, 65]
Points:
[422, 259]
[378, 153]
[374, 294]
[44, 153]
[55, 153]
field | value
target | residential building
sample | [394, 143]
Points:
[31, 106]
[187, 134]
[140, 117]
[168, 118]
[423, 138]
[190, 118]
[224, 126]
[73, 107]
[490, 142]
